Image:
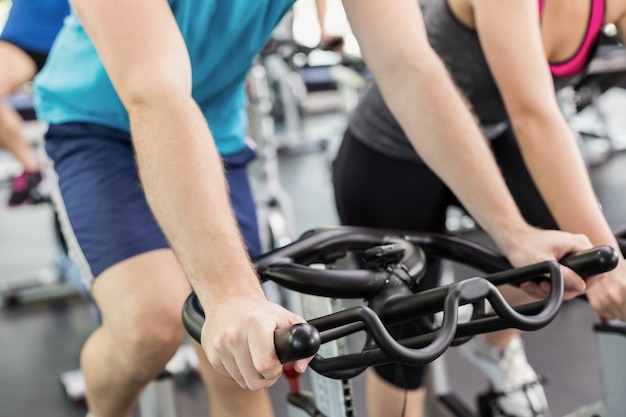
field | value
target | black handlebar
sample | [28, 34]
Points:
[393, 262]
[592, 262]
[299, 341]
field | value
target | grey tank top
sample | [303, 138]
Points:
[459, 48]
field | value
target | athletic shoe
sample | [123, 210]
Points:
[516, 390]
[25, 190]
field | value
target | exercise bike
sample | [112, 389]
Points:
[390, 263]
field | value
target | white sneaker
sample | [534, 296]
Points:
[517, 390]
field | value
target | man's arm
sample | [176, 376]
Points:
[146, 58]
[419, 92]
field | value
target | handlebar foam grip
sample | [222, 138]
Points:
[296, 342]
[592, 261]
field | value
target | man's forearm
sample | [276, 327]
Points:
[183, 178]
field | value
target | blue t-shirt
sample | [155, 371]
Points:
[222, 37]
[34, 24]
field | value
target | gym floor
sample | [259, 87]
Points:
[40, 340]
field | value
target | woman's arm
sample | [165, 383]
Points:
[511, 39]
[621, 27]
[609, 297]
[421, 95]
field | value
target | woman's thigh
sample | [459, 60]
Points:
[374, 190]
[520, 183]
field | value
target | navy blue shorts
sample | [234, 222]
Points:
[106, 206]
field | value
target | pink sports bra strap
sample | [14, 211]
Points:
[581, 58]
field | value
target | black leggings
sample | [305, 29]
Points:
[375, 190]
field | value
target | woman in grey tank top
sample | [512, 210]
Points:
[506, 58]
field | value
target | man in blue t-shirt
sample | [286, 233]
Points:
[145, 101]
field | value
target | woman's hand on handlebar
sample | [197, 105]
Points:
[608, 297]
[238, 339]
[536, 245]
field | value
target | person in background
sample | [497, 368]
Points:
[26, 39]
[507, 58]
[328, 41]
[145, 102]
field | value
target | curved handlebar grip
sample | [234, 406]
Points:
[292, 343]
[592, 261]
[296, 342]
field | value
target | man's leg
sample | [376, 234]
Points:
[140, 300]
[140, 287]
[226, 398]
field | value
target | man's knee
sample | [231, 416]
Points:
[146, 344]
